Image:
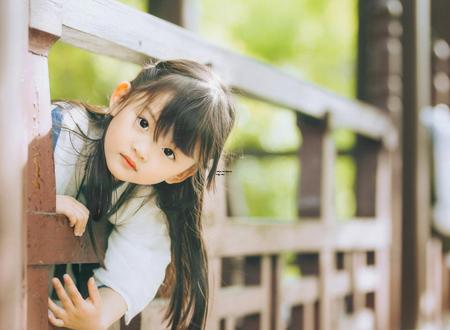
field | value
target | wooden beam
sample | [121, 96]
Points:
[116, 30]
[250, 237]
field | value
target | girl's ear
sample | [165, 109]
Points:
[183, 175]
[122, 89]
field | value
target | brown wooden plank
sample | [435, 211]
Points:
[51, 241]
[37, 293]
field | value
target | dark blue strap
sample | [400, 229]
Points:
[56, 125]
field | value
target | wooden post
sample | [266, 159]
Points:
[13, 149]
[316, 199]
[181, 12]
[40, 174]
[379, 83]
[416, 183]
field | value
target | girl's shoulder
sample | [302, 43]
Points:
[76, 117]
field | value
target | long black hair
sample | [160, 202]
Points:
[200, 110]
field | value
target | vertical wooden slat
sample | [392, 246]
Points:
[13, 92]
[310, 154]
[383, 263]
[276, 322]
[214, 212]
[308, 316]
[266, 285]
[328, 212]
[316, 199]
[366, 175]
[358, 261]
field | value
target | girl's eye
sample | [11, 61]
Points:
[143, 122]
[169, 153]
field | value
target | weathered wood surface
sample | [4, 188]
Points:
[116, 30]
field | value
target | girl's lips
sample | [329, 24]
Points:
[129, 161]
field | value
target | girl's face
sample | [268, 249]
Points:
[132, 155]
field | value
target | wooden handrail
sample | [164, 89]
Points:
[250, 237]
[114, 29]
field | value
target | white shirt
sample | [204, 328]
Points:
[139, 245]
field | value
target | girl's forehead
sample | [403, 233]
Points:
[154, 109]
[155, 105]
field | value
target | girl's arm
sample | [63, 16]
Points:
[114, 306]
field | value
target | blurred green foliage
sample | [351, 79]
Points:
[314, 40]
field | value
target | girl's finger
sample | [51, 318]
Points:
[94, 294]
[79, 227]
[62, 295]
[53, 320]
[72, 221]
[56, 310]
[74, 294]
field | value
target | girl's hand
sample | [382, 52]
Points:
[77, 213]
[76, 313]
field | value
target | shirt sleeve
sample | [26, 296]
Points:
[136, 258]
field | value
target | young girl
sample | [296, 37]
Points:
[142, 164]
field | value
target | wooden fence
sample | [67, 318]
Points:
[345, 265]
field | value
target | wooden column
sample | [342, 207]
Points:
[416, 183]
[380, 83]
[40, 184]
[13, 149]
[316, 199]
[49, 239]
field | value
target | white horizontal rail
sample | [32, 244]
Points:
[246, 237]
[114, 29]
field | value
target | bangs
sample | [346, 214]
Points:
[187, 110]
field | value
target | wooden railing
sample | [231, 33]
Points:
[345, 265]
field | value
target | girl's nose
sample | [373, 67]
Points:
[140, 152]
